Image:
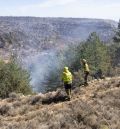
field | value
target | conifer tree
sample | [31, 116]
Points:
[115, 48]
[116, 38]
[96, 53]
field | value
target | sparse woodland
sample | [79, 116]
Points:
[96, 106]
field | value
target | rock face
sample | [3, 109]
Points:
[32, 33]
[96, 106]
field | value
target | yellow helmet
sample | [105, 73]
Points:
[65, 68]
[84, 61]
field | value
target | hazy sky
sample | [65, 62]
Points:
[106, 9]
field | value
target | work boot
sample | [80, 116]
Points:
[68, 98]
[85, 84]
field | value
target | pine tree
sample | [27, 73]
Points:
[13, 79]
[96, 53]
[115, 48]
[116, 38]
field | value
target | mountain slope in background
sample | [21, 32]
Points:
[96, 106]
[23, 34]
[37, 42]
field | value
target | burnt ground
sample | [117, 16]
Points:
[96, 106]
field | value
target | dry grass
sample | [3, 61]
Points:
[94, 107]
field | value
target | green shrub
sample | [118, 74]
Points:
[13, 79]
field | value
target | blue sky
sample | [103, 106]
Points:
[105, 9]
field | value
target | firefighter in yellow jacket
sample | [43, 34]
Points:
[86, 71]
[67, 79]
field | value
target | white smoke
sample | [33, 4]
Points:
[40, 66]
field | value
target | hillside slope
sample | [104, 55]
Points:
[28, 34]
[96, 106]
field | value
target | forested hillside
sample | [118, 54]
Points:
[43, 46]
[34, 52]
[30, 33]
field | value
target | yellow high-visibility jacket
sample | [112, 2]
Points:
[86, 68]
[67, 76]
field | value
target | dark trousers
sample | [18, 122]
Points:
[86, 77]
[68, 89]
